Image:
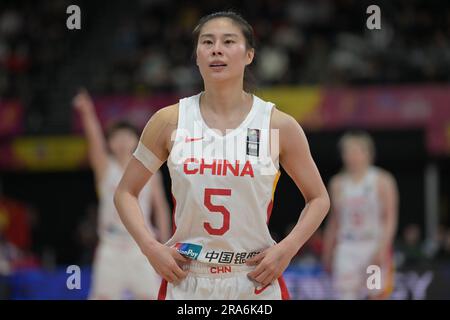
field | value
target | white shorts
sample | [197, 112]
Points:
[121, 271]
[350, 271]
[221, 282]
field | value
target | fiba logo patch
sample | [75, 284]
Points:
[253, 136]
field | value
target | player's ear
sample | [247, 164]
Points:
[250, 55]
[196, 57]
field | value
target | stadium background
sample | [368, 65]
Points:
[315, 59]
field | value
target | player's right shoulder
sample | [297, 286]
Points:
[385, 178]
[167, 115]
[336, 182]
[158, 130]
[163, 120]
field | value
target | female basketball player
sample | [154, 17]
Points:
[361, 229]
[222, 178]
[119, 266]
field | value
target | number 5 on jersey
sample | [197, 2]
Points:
[209, 192]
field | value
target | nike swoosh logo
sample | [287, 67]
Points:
[258, 291]
[192, 139]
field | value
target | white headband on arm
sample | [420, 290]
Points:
[147, 158]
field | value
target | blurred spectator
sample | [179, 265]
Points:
[86, 235]
[443, 250]
[410, 246]
[7, 252]
[10, 23]
[8, 255]
[15, 224]
[15, 236]
[154, 68]
[273, 64]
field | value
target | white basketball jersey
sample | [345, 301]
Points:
[110, 226]
[359, 209]
[223, 186]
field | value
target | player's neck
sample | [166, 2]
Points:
[358, 174]
[224, 100]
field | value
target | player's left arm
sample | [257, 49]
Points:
[388, 191]
[161, 207]
[296, 159]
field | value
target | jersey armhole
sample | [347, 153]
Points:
[180, 121]
[270, 110]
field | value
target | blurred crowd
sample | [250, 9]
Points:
[411, 249]
[31, 42]
[299, 42]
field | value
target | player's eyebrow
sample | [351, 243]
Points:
[210, 35]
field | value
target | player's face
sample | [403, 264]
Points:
[355, 155]
[221, 51]
[123, 142]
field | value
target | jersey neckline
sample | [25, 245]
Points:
[232, 132]
[367, 176]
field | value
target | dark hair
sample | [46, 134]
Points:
[246, 29]
[121, 125]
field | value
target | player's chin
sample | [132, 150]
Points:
[218, 76]
[223, 78]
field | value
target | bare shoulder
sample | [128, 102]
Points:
[162, 119]
[290, 134]
[386, 182]
[385, 177]
[336, 182]
[281, 120]
[167, 115]
[158, 130]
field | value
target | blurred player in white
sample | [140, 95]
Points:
[223, 179]
[120, 270]
[362, 223]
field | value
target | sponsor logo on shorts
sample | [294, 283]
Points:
[189, 250]
[227, 257]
